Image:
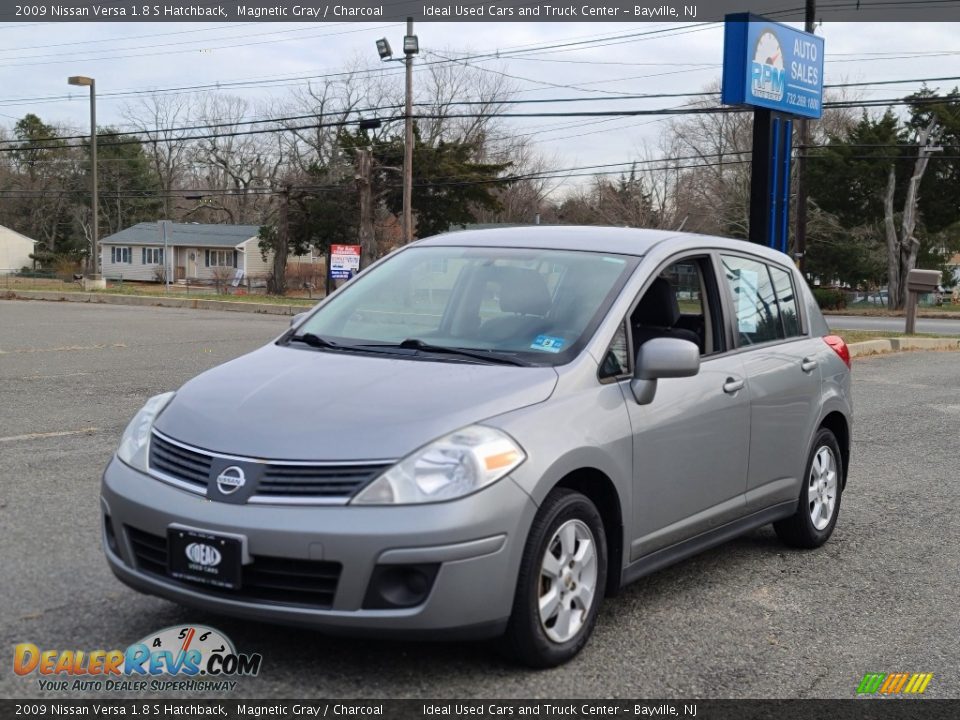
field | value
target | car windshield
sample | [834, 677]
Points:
[538, 306]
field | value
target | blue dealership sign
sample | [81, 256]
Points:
[773, 66]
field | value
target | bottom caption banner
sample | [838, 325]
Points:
[710, 709]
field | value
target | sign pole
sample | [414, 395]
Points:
[326, 290]
[760, 177]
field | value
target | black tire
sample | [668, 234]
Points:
[799, 530]
[526, 638]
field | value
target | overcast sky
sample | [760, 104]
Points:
[35, 60]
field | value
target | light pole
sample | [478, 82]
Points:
[411, 47]
[95, 239]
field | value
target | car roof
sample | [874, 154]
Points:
[623, 241]
[614, 240]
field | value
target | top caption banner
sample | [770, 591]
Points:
[461, 11]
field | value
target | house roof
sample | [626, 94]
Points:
[4, 230]
[184, 234]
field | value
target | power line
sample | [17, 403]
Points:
[677, 163]
[60, 61]
[873, 102]
[129, 37]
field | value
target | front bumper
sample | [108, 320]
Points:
[477, 542]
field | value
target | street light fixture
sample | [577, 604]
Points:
[83, 81]
[411, 46]
[383, 47]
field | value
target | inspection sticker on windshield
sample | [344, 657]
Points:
[548, 343]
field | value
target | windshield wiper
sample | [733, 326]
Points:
[315, 341]
[488, 356]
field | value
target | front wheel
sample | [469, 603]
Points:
[816, 516]
[561, 582]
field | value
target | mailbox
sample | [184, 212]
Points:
[923, 281]
[919, 282]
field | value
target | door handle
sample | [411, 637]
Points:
[732, 385]
[808, 364]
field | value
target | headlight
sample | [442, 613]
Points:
[451, 467]
[136, 438]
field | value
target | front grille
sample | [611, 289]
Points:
[189, 466]
[281, 482]
[282, 581]
[325, 481]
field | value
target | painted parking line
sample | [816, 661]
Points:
[53, 377]
[66, 348]
[37, 436]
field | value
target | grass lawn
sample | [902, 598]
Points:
[153, 290]
[263, 299]
[947, 310]
[855, 336]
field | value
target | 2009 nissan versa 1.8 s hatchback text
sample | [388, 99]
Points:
[488, 431]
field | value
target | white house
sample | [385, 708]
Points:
[196, 252]
[15, 250]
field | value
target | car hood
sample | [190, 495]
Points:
[291, 403]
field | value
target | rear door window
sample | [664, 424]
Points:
[754, 300]
[764, 300]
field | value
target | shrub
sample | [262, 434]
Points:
[830, 299]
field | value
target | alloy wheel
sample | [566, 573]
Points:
[822, 487]
[568, 581]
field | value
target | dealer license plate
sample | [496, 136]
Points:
[204, 558]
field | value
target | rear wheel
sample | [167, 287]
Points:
[816, 516]
[561, 582]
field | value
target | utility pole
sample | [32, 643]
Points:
[164, 235]
[411, 46]
[367, 248]
[409, 50]
[800, 253]
[283, 242]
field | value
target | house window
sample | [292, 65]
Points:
[221, 258]
[121, 255]
[151, 256]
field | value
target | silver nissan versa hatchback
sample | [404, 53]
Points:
[485, 433]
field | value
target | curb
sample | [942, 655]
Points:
[890, 345]
[154, 301]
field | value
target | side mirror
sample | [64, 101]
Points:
[662, 358]
[297, 318]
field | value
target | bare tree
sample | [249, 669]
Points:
[440, 96]
[354, 93]
[161, 119]
[243, 167]
[702, 180]
[522, 200]
[902, 244]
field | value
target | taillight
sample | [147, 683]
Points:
[839, 347]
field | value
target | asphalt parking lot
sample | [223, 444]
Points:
[747, 619]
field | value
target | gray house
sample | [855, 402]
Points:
[196, 252]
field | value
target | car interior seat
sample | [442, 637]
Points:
[524, 301]
[657, 315]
